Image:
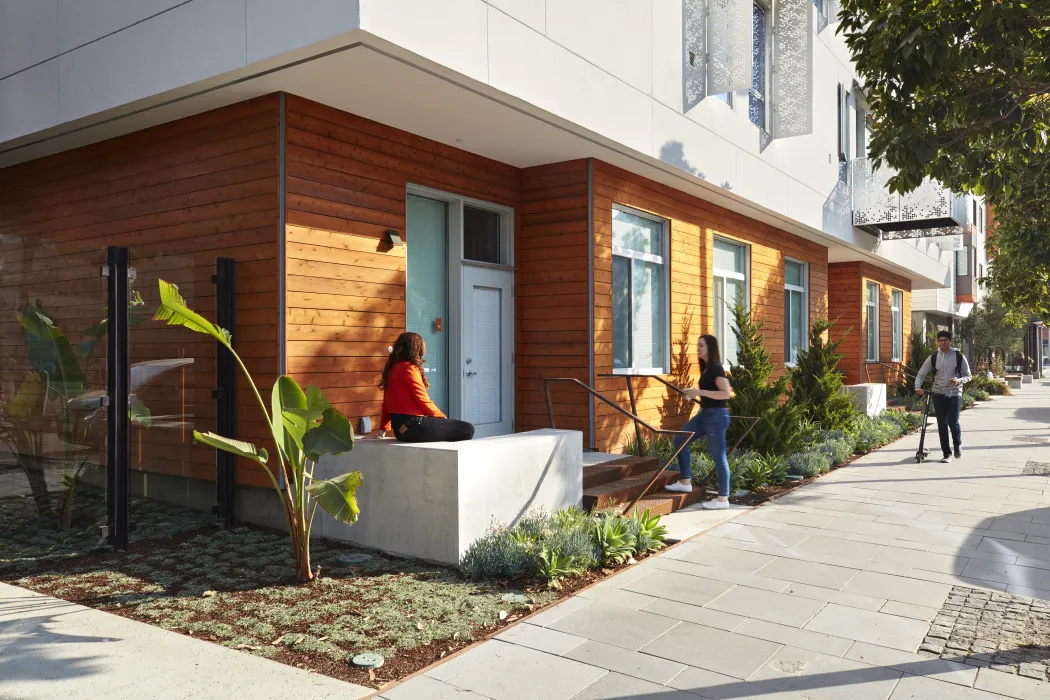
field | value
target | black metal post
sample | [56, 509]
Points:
[118, 387]
[225, 393]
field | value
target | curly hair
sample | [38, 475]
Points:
[409, 347]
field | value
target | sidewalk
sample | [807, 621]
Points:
[827, 593]
[50, 648]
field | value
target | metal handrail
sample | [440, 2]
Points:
[896, 366]
[630, 392]
[659, 472]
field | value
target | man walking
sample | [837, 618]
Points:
[950, 372]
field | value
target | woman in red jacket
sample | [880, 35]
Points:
[407, 408]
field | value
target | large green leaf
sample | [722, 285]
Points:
[173, 309]
[29, 401]
[290, 413]
[316, 404]
[51, 353]
[338, 496]
[235, 447]
[333, 436]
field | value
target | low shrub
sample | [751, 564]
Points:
[562, 544]
[838, 450]
[875, 431]
[907, 422]
[750, 469]
[981, 395]
[660, 447]
[968, 400]
[777, 467]
[808, 462]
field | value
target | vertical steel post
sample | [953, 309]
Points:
[118, 388]
[225, 392]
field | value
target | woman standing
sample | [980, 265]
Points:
[407, 408]
[712, 422]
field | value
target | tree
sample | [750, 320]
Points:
[778, 430]
[991, 326]
[816, 383]
[959, 89]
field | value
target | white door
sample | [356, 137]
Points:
[488, 344]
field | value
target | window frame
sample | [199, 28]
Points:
[804, 290]
[664, 262]
[721, 274]
[767, 12]
[897, 321]
[959, 272]
[870, 317]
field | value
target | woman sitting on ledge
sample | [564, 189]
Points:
[407, 407]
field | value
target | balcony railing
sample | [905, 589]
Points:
[929, 210]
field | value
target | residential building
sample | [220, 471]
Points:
[541, 189]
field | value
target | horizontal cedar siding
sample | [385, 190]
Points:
[552, 295]
[179, 195]
[846, 308]
[694, 224]
[346, 185]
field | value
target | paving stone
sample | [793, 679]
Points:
[732, 559]
[680, 587]
[872, 627]
[711, 649]
[1037, 671]
[424, 688]
[812, 573]
[798, 673]
[631, 663]
[791, 636]
[622, 627]
[919, 688]
[695, 614]
[766, 605]
[1012, 686]
[614, 686]
[897, 588]
[540, 638]
[512, 672]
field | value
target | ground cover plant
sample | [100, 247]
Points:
[237, 588]
[563, 545]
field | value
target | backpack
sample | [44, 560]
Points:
[958, 365]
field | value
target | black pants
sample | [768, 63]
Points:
[947, 408]
[430, 429]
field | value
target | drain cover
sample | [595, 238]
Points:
[514, 598]
[1029, 438]
[1036, 469]
[368, 660]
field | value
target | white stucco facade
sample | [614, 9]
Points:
[521, 81]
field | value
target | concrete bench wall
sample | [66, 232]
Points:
[433, 500]
[870, 399]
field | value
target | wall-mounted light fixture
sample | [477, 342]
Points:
[393, 238]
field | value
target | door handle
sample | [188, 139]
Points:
[471, 373]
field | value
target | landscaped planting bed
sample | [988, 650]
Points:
[237, 587]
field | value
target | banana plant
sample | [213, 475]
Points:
[304, 426]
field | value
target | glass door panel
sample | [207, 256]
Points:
[426, 307]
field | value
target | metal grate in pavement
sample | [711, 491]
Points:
[1036, 469]
[1030, 438]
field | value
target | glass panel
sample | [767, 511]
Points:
[481, 235]
[427, 287]
[637, 233]
[720, 315]
[648, 324]
[795, 323]
[53, 377]
[793, 273]
[734, 292]
[870, 330]
[621, 290]
[729, 257]
[873, 293]
[962, 263]
[172, 377]
[487, 385]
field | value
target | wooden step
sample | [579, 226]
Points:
[665, 502]
[623, 468]
[622, 491]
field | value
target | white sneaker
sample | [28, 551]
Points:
[946, 459]
[679, 487]
[715, 504]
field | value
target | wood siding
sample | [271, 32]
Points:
[694, 223]
[179, 195]
[848, 285]
[347, 185]
[552, 295]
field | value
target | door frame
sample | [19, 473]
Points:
[455, 266]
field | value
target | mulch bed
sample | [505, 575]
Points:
[236, 588]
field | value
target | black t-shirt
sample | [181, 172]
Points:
[708, 383]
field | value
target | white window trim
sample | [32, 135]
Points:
[894, 356]
[744, 277]
[804, 289]
[875, 317]
[663, 261]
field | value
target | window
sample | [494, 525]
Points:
[897, 311]
[980, 271]
[796, 303]
[841, 98]
[756, 108]
[726, 97]
[871, 321]
[481, 235]
[730, 281]
[639, 287]
[962, 262]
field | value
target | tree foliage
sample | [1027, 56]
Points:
[991, 326]
[757, 394]
[816, 384]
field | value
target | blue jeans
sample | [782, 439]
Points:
[712, 423]
[947, 408]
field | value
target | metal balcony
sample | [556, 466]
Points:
[929, 210]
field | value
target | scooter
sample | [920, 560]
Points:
[923, 454]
